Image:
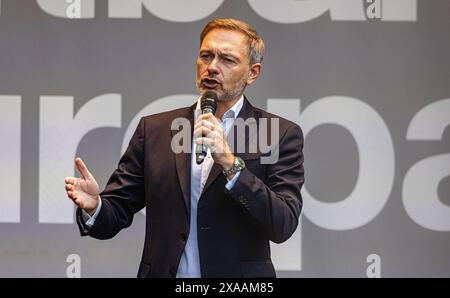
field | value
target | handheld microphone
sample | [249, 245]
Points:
[208, 103]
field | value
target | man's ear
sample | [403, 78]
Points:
[255, 70]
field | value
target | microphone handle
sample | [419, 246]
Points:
[200, 153]
[200, 150]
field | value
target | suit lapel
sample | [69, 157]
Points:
[183, 164]
[215, 171]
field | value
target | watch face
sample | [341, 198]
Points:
[240, 163]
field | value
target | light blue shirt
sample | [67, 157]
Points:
[189, 266]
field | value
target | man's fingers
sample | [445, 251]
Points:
[69, 180]
[73, 195]
[205, 123]
[70, 194]
[216, 145]
[82, 168]
[205, 141]
[202, 131]
[210, 117]
[70, 187]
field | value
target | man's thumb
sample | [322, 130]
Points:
[82, 168]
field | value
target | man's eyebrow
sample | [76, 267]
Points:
[220, 53]
[229, 55]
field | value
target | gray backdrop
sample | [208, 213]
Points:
[368, 81]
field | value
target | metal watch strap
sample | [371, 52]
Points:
[238, 165]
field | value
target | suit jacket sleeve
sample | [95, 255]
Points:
[124, 192]
[275, 204]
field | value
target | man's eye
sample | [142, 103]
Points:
[228, 60]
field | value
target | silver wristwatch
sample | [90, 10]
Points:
[238, 165]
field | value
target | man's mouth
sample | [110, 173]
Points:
[209, 83]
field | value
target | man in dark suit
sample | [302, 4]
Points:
[213, 219]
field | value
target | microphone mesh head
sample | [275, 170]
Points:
[209, 101]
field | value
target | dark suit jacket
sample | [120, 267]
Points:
[233, 227]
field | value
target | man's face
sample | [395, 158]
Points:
[223, 64]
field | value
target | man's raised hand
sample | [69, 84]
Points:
[83, 191]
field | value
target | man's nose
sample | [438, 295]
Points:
[213, 67]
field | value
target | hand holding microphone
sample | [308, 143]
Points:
[209, 133]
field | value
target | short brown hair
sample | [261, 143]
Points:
[255, 42]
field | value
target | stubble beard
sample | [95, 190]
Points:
[227, 94]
